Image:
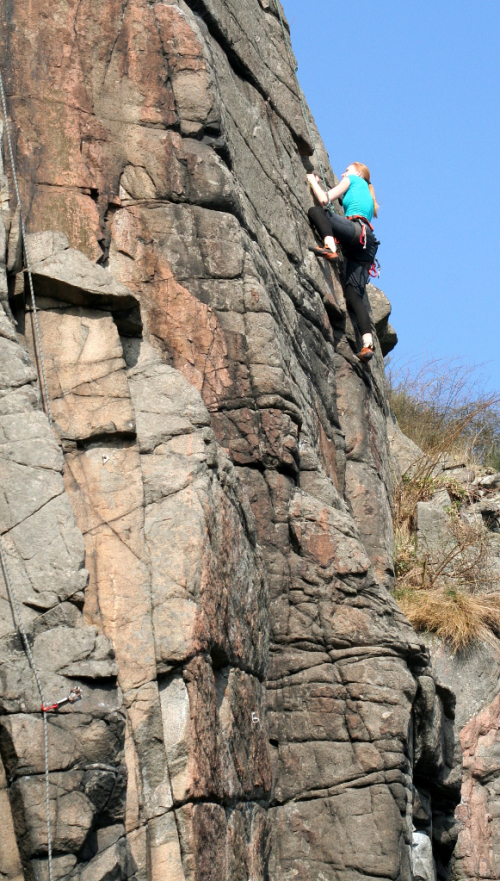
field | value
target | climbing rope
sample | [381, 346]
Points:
[301, 94]
[75, 694]
[38, 342]
[17, 615]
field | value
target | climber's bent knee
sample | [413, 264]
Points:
[318, 218]
[314, 211]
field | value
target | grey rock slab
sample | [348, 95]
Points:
[67, 650]
[85, 373]
[74, 738]
[24, 399]
[360, 848]
[165, 850]
[19, 692]
[108, 836]
[489, 482]
[371, 507]
[144, 715]
[6, 326]
[165, 404]
[326, 535]
[317, 484]
[4, 285]
[70, 276]
[10, 862]
[25, 490]
[61, 867]
[198, 242]
[109, 865]
[44, 245]
[186, 506]
[422, 859]
[29, 442]
[16, 368]
[154, 168]
[15, 244]
[71, 813]
[46, 555]
[405, 453]
[3, 242]
[210, 182]
[380, 307]
[388, 339]
[257, 41]
[433, 531]
[472, 674]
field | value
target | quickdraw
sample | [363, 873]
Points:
[375, 269]
[74, 696]
[362, 238]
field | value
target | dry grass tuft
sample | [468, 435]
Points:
[459, 617]
[450, 592]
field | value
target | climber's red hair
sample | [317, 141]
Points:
[364, 172]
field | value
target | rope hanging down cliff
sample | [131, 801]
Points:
[75, 693]
[27, 649]
[38, 342]
[301, 94]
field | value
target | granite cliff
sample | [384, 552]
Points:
[204, 543]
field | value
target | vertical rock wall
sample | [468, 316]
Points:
[223, 464]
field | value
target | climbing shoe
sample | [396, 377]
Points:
[366, 354]
[325, 253]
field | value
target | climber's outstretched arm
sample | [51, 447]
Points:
[322, 197]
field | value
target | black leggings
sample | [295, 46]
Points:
[347, 233]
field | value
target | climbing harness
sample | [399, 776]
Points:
[362, 219]
[375, 267]
[301, 95]
[38, 342]
[363, 223]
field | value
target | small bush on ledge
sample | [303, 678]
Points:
[458, 616]
[449, 587]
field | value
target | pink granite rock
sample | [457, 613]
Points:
[202, 541]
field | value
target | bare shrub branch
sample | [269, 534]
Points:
[444, 410]
[443, 406]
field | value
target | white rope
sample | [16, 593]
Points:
[38, 342]
[5, 565]
[19, 622]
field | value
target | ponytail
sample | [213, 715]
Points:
[375, 203]
[364, 172]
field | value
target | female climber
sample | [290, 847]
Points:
[355, 234]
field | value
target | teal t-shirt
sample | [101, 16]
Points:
[358, 199]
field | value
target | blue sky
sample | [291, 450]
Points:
[413, 90]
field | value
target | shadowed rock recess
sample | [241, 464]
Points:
[204, 543]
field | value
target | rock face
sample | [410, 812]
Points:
[473, 673]
[204, 544]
